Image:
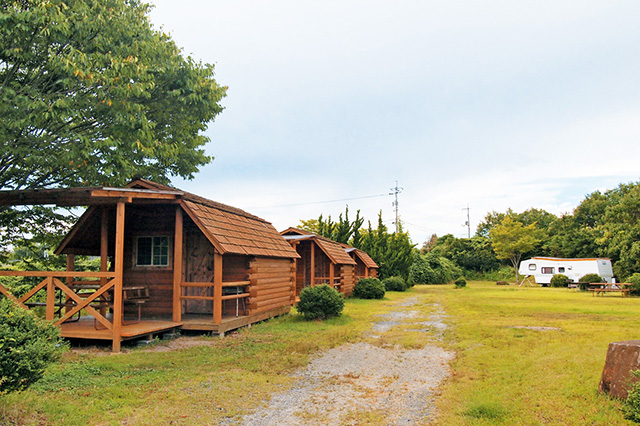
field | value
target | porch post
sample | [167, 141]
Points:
[177, 267]
[217, 288]
[119, 270]
[104, 244]
[313, 263]
[71, 265]
[331, 273]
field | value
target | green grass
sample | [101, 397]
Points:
[196, 385]
[501, 375]
[514, 376]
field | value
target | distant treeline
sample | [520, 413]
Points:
[603, 225]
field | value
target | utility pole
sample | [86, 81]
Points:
[468, 222]
[395, 192]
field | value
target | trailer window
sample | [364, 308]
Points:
[547, 270]
[560, 269]
[532, 266]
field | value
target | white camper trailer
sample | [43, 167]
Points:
[543, 268]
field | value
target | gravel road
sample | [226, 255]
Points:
[365, 384]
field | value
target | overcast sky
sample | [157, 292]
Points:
[490, 104]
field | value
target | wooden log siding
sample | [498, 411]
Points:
[347, 279]
[272, 284]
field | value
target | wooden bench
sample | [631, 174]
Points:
[136, 296]
[601, 288]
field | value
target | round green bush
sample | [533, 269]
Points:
[394, 284]
[559, 280]
[589, 278]
[632, 403]
[635, 283]
[460, 282]
[28, 345]
[320, 302]
[369, 288]
[433, 269]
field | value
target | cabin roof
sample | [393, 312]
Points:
[331, 248]
[363, 255]
[366, 259]
[295, 231]
[230, 230]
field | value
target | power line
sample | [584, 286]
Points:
[323, 202]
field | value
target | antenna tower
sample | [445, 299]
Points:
[468, 222]
[395, 192]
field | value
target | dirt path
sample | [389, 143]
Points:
[364, 383]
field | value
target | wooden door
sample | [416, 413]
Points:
[198, 267]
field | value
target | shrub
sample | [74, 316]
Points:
[320, 302]
[28, 345]
[460, 282]
[635, 283]
[394, 284]
[559, 280]
[632, 403]
[589, 278]
[369, 288]
[433, 269]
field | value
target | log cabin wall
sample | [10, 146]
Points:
[346, 279]
[142, 222]
[272, 284]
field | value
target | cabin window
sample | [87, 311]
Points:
[561, 269]
[532, 266]
[547, 270]
[152, 251]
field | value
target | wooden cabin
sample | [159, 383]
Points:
[169, 259]
[322, 261]
[365, 267]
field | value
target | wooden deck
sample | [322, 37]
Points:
[205, 322]
[85, 328]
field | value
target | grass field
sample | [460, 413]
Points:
[501, 374]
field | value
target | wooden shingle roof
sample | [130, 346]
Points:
[363, 255]
[230, 230]
[366, 259]
[332, 249]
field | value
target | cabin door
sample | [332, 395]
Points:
[198, 267]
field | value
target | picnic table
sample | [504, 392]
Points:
[602, 288]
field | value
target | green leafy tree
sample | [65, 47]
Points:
[92, 94]
[342, 231]
[310, 225]
[472, 254]
[510, 239]
[393, 252]
[621, 229]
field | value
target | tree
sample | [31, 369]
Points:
[394, 253]
[510, 239]
[92, 94]
[342, 231]
[621, 229]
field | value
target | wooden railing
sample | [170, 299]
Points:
[73, 304]
[333, 282]
[205, 285]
